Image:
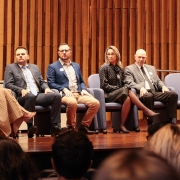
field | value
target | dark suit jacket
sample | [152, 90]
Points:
[57, 77]
[134, 79]
[14, 78]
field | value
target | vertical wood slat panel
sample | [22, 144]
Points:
[117, 23]
[164, 34]
[132, 32]
[78, 32]
[85, 38]
[31, 30]
[109, 24]
[63, 20]
[124, 33]
[17, 23]
[47, 38]
[148, 6]
[94, 61]
[40, 34]
[178, 36]
[71, 22]
[2, 34]
[172, 26]
[9, 32]
[156, 33]
[54, 25]
[140, 24]
[102, 19]
[24, 23]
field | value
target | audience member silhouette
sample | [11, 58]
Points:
[14, 162]
[166, 142]
[135, 165]
[72, 154]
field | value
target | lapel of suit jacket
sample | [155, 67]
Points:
[138, 70]
[59, 66]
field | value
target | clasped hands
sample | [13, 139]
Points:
[24, 91]
[67, 92]
[144, 91]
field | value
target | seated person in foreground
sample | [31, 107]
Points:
[111, 81]
[11, 114]
[65, 76]
[15, 164]
[135, 165]
[72, 154]
[26, 81]
[144, 79]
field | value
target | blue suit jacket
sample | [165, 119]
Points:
[57, 77]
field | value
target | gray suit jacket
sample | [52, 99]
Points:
[134, 79]
[14, 78]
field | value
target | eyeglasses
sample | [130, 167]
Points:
[64, 50]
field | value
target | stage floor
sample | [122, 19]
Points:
[39, 148]
[109, 141]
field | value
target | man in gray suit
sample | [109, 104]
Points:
[27, 82]
[144, 79]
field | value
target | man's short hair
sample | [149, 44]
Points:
[20, 47]
[72, 153]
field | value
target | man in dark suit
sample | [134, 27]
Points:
[149, 87]
[65, 76]
[27, 82]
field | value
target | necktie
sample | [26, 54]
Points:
[149, 82]
[30, 81]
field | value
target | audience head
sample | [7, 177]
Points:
[166, 142]
[140, 57]
[135, 165]
[14, 162]
[113, 50]
[153, 128]
[72, 154]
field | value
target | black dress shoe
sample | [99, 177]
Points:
[115, 130]
[85, 129]
[32, 130]
[137, 130]
[55, 130]
[104, 131]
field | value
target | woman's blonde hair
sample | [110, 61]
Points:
[166, 142]
[118, 56]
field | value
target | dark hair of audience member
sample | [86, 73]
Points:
[72, 153]
[155, 127]
[14, 162]
[135, 165]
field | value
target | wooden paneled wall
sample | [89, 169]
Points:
[89, 27]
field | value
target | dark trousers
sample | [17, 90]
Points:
[50, 99]
[169, 98]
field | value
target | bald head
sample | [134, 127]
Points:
[140, 57]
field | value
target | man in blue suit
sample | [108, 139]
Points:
[65, 76]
